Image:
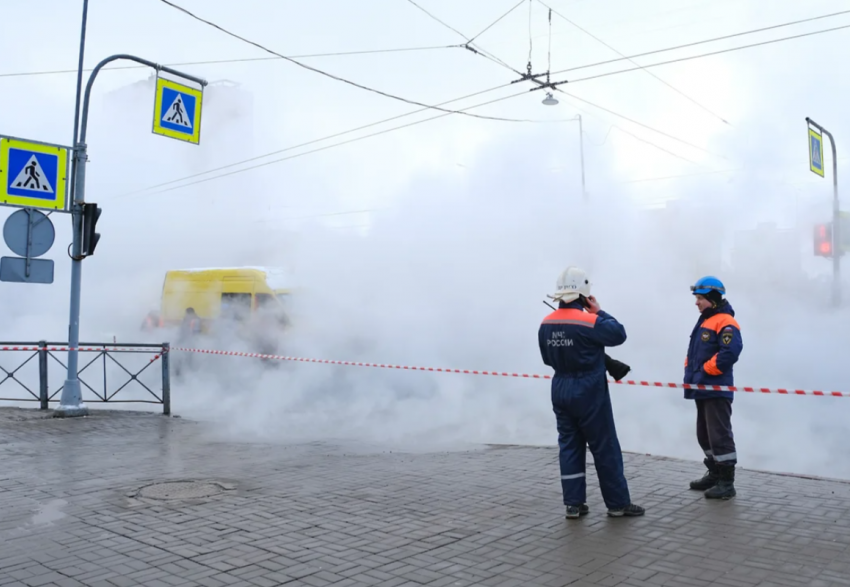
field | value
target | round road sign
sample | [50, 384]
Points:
[29, 230]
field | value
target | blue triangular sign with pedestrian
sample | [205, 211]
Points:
[176, 113]
[32, 177]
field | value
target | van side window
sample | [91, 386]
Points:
[235, 306]
[264, 301]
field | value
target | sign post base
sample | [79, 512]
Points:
[71, 405]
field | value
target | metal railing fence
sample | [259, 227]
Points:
[102, 359]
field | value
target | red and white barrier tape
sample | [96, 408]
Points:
[91, 349]
[86, 349]
[518, 375]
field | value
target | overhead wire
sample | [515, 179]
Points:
[530, 38]
[497, 21]
[556, 85]
[355, 139]
[604, 140]
[363, 127]
[692, 57]
[329, 137]
[549, 64]
[438, 19]
[150, 189]
[395, 50]
[240, 60]
[316, 70]
[485, 91]
[477, 49]
[633, 121]
[621, 129]
[715, 39]
[530, 54]
[529, 67]
[336, 135]
[665, 82]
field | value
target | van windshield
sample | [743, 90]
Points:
[235, 306]
[265, 301]
[271, 306]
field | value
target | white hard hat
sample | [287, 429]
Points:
[571, 283]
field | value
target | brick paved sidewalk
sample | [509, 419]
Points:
[71, 513]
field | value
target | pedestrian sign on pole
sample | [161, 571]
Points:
[816, 151]
[177, 111]
[33, 174]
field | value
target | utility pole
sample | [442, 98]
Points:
[71, 403]
[836, 217]
[550, 100]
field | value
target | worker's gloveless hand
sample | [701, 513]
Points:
[592, 305]
[616, 369]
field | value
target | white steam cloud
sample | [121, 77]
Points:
[447, 265]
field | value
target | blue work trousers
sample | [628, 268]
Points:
[585, 418]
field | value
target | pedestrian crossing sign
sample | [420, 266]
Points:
[33, 174]
[815, 151]
[177, 111]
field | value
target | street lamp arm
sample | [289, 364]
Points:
[72, 403]
[110, 59]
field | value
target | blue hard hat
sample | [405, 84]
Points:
[708, 284]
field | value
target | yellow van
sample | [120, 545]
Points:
[222, 293]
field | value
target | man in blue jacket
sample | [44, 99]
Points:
[572, 341]
[715, 347]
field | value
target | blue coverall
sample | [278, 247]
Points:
[573, 343]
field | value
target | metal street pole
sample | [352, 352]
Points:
[836, 219]
[79, 89]
[71, 403]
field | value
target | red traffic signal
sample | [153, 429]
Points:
[823, 240]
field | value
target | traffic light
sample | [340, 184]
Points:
[823, 240]
[91, 213]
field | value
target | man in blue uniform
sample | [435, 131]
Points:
[715, 347]
[572, 341]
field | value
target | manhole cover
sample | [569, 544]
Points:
[180, 490]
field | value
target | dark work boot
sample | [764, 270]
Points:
[575, 511]
[709, 480]
[630, 511]
[725, 488]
